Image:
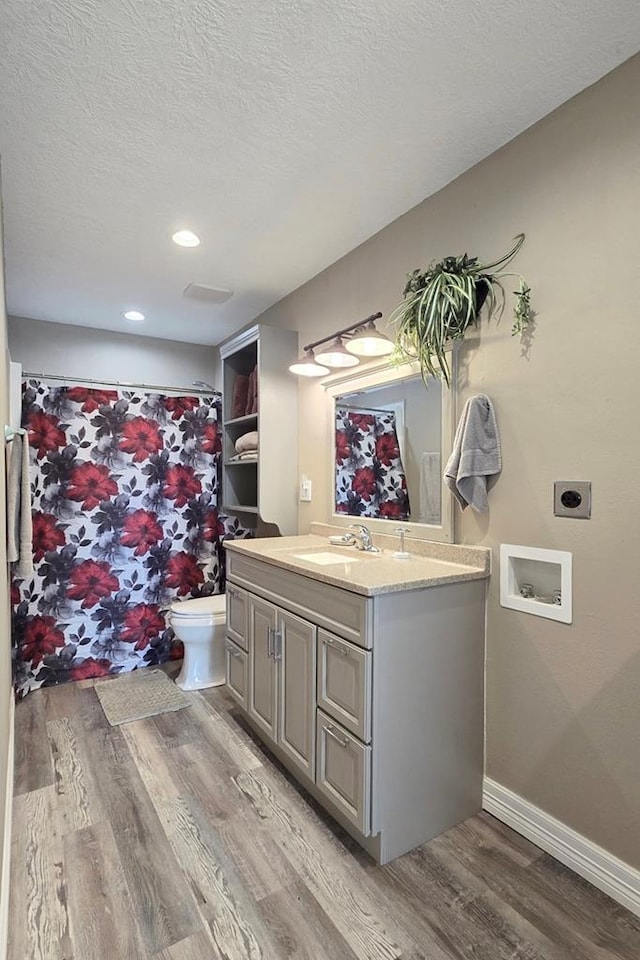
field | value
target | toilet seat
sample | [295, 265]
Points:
[203, 609]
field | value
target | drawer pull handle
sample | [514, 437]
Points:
[234, 653]
[343, 651]
[334, 736]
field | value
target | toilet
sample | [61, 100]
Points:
[200, 624]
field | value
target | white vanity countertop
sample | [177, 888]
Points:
[366, 573]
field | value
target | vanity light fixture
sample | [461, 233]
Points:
[369, 342]
[186, 238]
[343, 348]
[336, 355]
[133, 315]
[308, 366]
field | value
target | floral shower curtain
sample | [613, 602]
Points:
[125, 521]
[370, 478]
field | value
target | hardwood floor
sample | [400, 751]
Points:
[180, 838]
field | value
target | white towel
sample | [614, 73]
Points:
[242, 457]
[14, 469]
[248, 441]
[476, 454]
[430, 488]
[19, 525]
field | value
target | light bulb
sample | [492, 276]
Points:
[308, 366]
[186, 238]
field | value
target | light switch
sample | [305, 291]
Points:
[305, 490]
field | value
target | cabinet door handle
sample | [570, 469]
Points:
[270, 633]
[233, 652]
[343, 651]
[334, 736]
[277, 645]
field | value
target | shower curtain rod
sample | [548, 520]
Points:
[123, 383]
[362, 408]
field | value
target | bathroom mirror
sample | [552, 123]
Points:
[392, 439]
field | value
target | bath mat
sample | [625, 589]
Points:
[139, 695]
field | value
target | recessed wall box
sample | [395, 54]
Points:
[536, 581]
[572, 498]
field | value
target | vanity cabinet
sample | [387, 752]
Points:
[236, 672]
[375, 703]
[278, 675]
[264, 487]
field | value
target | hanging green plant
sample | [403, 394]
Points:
[442, 302]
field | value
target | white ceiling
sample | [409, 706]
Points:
[284, 132]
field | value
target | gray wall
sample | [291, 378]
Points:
[563, 708]
[71, 350]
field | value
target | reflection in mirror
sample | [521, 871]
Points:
[389, 451]
[405, 484]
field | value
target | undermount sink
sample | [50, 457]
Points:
[326, 557]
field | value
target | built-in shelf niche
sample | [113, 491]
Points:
[536, 581]
[264, 489]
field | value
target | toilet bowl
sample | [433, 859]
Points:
[200, 624]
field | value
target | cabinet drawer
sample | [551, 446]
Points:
[346, 614]
[344, 683]
[236, 673]
[343, 772]
[237, 618]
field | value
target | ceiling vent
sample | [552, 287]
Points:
[200, 291]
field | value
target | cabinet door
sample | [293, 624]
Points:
[236, 663]
[344, 683]
[296, 653]
[343, 772]
[237, 618]
[263, 676]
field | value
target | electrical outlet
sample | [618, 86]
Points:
[305, 490]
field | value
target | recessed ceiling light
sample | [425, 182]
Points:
[133, 315]
[186, 238]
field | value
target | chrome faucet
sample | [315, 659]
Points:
[363, 538]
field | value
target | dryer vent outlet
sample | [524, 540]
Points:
[572, 498]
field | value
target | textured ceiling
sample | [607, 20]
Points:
[284, 132]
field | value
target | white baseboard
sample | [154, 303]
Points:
[6, 839]
[616, 878]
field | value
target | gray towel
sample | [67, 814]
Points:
[476, 454]
[19, 526]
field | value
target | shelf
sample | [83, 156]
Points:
[267, 492]
[242, 421]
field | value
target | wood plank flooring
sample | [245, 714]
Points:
[180, 838]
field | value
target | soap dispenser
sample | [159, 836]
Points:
[402, 554]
